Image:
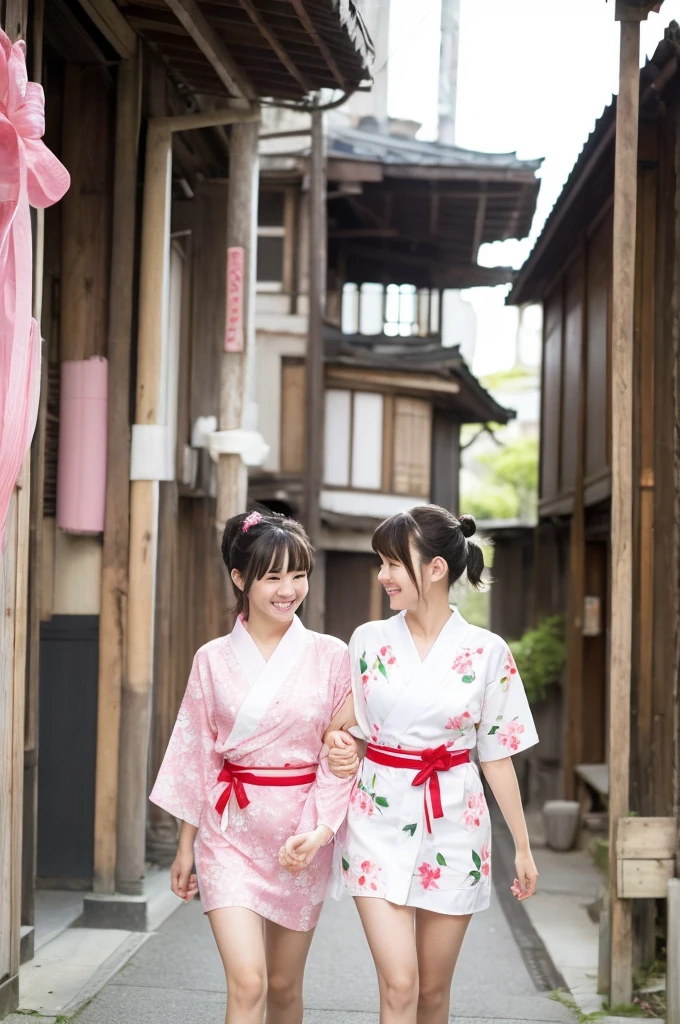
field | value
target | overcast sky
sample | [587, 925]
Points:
[531, 80]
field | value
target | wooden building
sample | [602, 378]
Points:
[570, 271]
[405, 220]
[154, 108]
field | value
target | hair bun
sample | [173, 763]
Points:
[468, 525]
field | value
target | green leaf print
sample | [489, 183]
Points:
[440, 860]
[363, 664]
[475, 876]
[469, 678]
[381, 801]
[493, 730]
[503, 681]
[381, 668]
[411, 829]
[345, 862]
[373, 781]
[476, 860]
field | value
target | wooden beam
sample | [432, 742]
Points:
[189, 14]
[232, 476]
[480, 218]
[114, 585]
[275, 44]
[111, 23]
[325, 50]
[363, 233]
[644, 879]
[314, 378]
[136, 694]
[360, 377]
[623, 290]
[208, 119]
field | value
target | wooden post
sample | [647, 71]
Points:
[625, 207]
[114, 591]
[574, 627]
[232, 476]
[315, 389]
[673, 953]
[137, 685]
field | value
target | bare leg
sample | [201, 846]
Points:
[439, 938]
[239, 934]
[391, 936]
[286, 957]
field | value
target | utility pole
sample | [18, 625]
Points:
[448, 70]
[315, 403]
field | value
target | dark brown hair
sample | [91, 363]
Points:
[261, 547]
[433, 531]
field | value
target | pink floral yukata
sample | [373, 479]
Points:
[258, 715]
[465, 694]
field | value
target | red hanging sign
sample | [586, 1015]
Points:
[233, 341]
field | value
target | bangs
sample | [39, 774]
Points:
[280, 547]
[392, 540]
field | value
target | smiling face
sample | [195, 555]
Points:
[403, 592]
[278, 594]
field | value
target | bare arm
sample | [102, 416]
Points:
[502, 779]
[182, 882]
[343, 719]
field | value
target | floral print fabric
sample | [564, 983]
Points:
[466, 694]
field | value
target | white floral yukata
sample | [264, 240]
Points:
[466, 693]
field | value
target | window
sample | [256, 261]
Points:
[293, 418]
[272, 240]
[412, 444]
[353, 440]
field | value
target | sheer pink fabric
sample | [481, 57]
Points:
[29, 176]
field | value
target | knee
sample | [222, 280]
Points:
[432, 998]
[247, 989]
[400, 991]
[283, 992]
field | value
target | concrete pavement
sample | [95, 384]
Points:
[176, 977]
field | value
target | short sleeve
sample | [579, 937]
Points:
[506, 725]
[191, 763]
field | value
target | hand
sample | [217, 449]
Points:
[343, 757]
[524, 885]
[182, 882]
[299, 851]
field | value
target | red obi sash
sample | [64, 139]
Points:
[236, 776]
[427, 763]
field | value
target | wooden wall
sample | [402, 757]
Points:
[564, 321]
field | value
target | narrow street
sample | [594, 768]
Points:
[176, 977]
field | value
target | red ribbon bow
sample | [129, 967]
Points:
[434, 760]
[234, 785]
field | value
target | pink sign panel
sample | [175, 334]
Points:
[233, 341]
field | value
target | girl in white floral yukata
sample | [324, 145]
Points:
[428, 688]
[246, 773]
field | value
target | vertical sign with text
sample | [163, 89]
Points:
[233, 339]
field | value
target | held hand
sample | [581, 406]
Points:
[183, 883]
[299, 851]
[524, 885]
[343, 757]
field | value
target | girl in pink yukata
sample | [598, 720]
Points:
[247, 774]
[428, 688]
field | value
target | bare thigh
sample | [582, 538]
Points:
[439, 938]
[286, 952]
[239, 934]
[390, 931]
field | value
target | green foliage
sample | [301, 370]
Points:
[540, 656]
[517, 378]
[515, 466]
[490, 501]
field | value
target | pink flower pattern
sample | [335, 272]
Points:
[475, 809]
[387, 655]
[460, 724]
[510, 735]
[463, 663]
[486, 862]
[361, 801]
[429, 875]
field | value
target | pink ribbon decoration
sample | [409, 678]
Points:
[29, 176]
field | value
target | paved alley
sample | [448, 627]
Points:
[176, 977]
